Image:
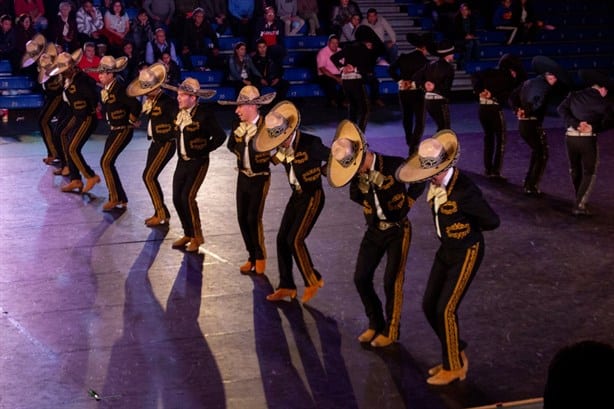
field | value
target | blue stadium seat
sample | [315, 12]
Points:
[298, 74]
[198, 60]
[305, 42]
[305, 90]
[224, 94]
[16, 82]
[388, 88]
[5, 67]
[21, 101]
[204, 77]
[381, 71]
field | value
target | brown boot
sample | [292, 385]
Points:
[181, 242]
[110, 205]
[381, 341]
[194, 245]
[73, 185]
[311, 291]
[282, 293]
[434, 370]
[90, 183]
[367, 336]
[444, 376]
[246, 268]
[155, 221]
[260, 266]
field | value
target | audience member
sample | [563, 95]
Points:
[132, 66]
[442, 14]
[216, 60]
[160, 12]
[308, 11]
[64, 28]
[384, 31]
[342, 13]
[242, 70]
[89, 60]
[270, 29]
[24, 31]
[173, 72]
[504, 20]
[116, 26]
[141, 33]
[36, 10]
[197, 28]
[7, 42]
[287, 10]
[155, 48]
[89, 22]
[270, 71]
[348, 31]
[217, 10]
[528, 23]
[466, 40]
[329, 76]
[241, 13]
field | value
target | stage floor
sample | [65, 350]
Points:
[92, 301]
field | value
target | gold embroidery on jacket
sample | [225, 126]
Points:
[300, 157]
[162, 129]
[449, 207]
[366, 207]
[458, 230]
[311, 175]
[388, 182]
[396, 202]
[262, 157]
[81, 104]
[111, 100]
[156, 111]
[198, 143]
[119, 114]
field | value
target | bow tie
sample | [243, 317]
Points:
[67, 82]
[183, 119]
[285, 154]
[104, 95]
[373, 177]
[147, 106]
[438, 194]
[246, 130]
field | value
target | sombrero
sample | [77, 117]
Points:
[512, 62]
[346, 153]
[592, 77]
[34, 49]
[280, 123]
[249, 95]
[443, 48]
[542, 65]
[419, 40]
[149, 79]
[434, 156]
[110, 64]
[191, 86]
[64, 61]
[45, 61]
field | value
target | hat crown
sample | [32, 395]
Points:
[63, 59]
[45, 60]
[148, 78]
[190, 85]
[275, 123]
[343, 151]
[33, 47]
[248, 93]
[431, 153]
[107, 62]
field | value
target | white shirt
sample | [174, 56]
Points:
[378, 207]
[246, 163]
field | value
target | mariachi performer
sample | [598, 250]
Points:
[161, 111]
[385, 203]
[460, 214]
[80, 94]
[198, 133]
[254, 176]
[121, 112]
[302, 155]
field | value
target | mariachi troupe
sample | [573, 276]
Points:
[385, 186]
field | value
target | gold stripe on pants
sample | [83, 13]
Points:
[44, 124]
[149, 178]
[395, 319]
[193, 205]
[108, 156]
[82, 131]
[300, 249]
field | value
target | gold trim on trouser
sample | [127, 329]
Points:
[46, 129]
[150, 182]
[105, 162]
[300, 250]
[450, 324]
[64, 137]
[503, 137]
[192, 205]
[82, 128]
[265, 192]
[395, 319]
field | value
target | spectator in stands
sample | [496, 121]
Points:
[160, 12]
[466, 40]
[89, 60]
[348, 31]
[442, 14]
[7, 42]
[217, 10]
[116, 27]
[528, 23]
[384, 31]
[141, 33]
[242, 70]
[504, 20]
[342, 13]
[36, 10]
[24, 31]
[271, 72]
[173, 72]
[216, 60]
[271, 30]
[155, 48]
[64, 28]
[89, 22]
[329, 75]
[287, 10]
[132, 67]
[308, 10]
[241, 13]
[197, 29]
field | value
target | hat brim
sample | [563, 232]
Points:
[43, 76]
[339, 175]
[29, 59]
[75, 57]
[264, 141]
[412, 172]
[590, 77]
[542, 64]
[419, 40]
[203, 93]
[261, 100]
[120, 64]
[136, 88]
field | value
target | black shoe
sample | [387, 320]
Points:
[532, 191]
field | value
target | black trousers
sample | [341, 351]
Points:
[48, 111]
[533, 134]
[251, 196]
[495, 132]
[439, 110]
[115, 144]
[358, 98]
[414, 117]
[189, 176]
[332, 91]
[394, 243]
[583, 155]
[300, 216]
[158, 155]
[450, 277]
[76, 133]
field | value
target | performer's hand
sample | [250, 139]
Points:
[429, 86]
[520, 113]
[485, 94]
[585, 127]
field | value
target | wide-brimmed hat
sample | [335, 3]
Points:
[279, 124]
[149, 79]
[443, 48]
[598, 77]
[249, 95]
[434, 156]
[346, 153]
[513, 62]
[108, 63]
[542, 65]
[45, 61]
[419, 40]
[191, 86]
[34, 48]
[64, 61]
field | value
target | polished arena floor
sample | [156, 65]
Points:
[97, 310]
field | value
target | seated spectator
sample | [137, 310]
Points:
[132, 67]
[215, 60]
[242, 70]
[64, 28]
[141, 32]
[348, 31]
[384, 31]
[217, 12]
[528, 22]
[342, 13]
[116, 26]
[308, 11]
[287, 10]
[465, 39]
[197, 28]
[24, 31]
[241, 13]
[270, 29]
[155, 48]
[272, 73]
[329, 75]
[7, 42]
[504, 20]
[89, 60]
[89, 23]
[173, 72]
[36, 10]
[160, 12]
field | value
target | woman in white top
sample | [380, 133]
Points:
[116, 24]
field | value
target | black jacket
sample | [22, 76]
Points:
[81, 95]
[407, 65]
[203, 135]
[119, 108]
[309, 155]
[259, 161]
[589, 106]
[440, 73]
[162, 118]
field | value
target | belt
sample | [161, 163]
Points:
[384, 225]
[530, 118]
[250, 173]
[432, 95]
[574, 132]
[487, 101]
[351, 76]
[404, 87]
[118, 128]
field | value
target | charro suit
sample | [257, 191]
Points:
[54, 106]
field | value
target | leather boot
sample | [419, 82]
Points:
[73, 185]
[445, 377]
[381, 341]
[194, 245]
[282, 293]
[367, 336]
[181, 242]
[246, 268]
[260, 266]
[90, 183]
[311, 291]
